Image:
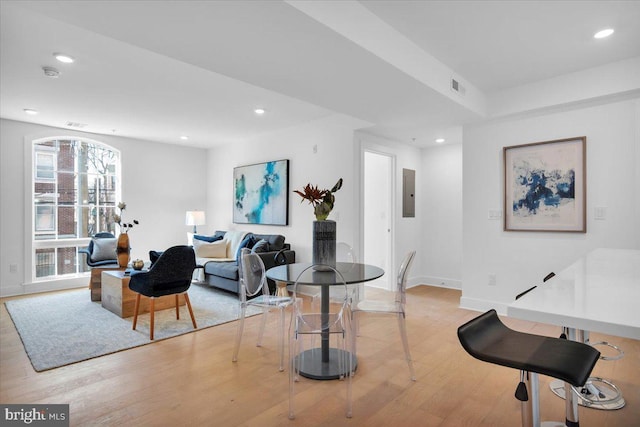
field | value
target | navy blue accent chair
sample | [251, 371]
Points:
[169, 275]
[89, 250]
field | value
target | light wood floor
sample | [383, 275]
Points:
[190, 380]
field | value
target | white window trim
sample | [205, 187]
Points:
[29, 279]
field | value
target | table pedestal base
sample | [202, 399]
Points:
[557, 387]
[314, 368]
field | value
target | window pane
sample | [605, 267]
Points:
[44, 192]
[87, 222]
[66, 156]
[107, 190]
[45, 218]
[106, 215]
[45, 262]
[82, 262]
[66, 188]
[45, 165]
[67, 260]
[66, 222]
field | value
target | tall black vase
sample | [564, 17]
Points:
[324, 242]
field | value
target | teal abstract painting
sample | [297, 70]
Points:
[261, 193]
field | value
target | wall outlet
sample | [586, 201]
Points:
[13, 268]
[600, 213]
[492, 279]
[494, 214]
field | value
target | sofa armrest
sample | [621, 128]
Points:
[286, 256]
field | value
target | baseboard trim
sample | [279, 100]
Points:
[482, 305]
[439, 282]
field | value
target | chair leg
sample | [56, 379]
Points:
[188, 301]
[405, 344]
[293, 367]
[265, 312]
[281, 339]
[236, 349]
[177, 308]
[349, 366]
[354, 329]
[135, 315]
[152, 313]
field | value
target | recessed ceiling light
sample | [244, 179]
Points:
[259, 111]
[440, 140]
[30, 111]
[64, 58]
[604, 33]
[184, 137]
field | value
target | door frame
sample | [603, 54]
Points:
[379, 150]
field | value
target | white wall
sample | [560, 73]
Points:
[522, 259]
[441, 201]
[332, 159]
[338, 155]
[161, 182]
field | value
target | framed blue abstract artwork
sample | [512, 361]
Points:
[545, 187]
[261, 193]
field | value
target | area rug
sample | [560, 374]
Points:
[64, 328]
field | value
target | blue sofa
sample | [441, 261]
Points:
[222, 272]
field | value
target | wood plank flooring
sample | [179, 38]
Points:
[190, 380]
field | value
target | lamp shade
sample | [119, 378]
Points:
[195, 218]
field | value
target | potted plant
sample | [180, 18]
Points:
[324, 230]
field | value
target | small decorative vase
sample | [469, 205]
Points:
[324, 243]
[123, 249]
[137, 264]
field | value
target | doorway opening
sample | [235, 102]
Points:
[378, 215]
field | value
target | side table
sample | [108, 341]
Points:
[95, 283]
[119, 299]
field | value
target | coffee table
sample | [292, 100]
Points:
[119, 299]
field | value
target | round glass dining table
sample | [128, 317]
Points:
[322, 363]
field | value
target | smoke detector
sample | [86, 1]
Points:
[51, 72]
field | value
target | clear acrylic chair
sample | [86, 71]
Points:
[333, 320]
[254, 291]
[395, 307]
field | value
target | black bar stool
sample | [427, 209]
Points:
[486, 338]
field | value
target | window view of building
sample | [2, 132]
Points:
[75, 190]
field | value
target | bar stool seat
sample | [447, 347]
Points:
[486, 338]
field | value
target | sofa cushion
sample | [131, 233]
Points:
[104, 249]
[209, 239]
[228, 270]
[217, 249]
[276, 241]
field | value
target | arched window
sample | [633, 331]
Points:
[75, 188]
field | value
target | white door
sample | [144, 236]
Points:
[378, 191]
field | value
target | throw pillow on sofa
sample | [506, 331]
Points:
[248, 242]
[104, 249]
[209, 239]
[260, 246]
[204, 249]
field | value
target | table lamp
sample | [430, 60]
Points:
[195, 218]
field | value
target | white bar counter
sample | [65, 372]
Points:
[600, 292]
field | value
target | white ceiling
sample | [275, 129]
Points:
[156, 70]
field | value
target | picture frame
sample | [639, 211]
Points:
[545, 186]
[261, 193]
